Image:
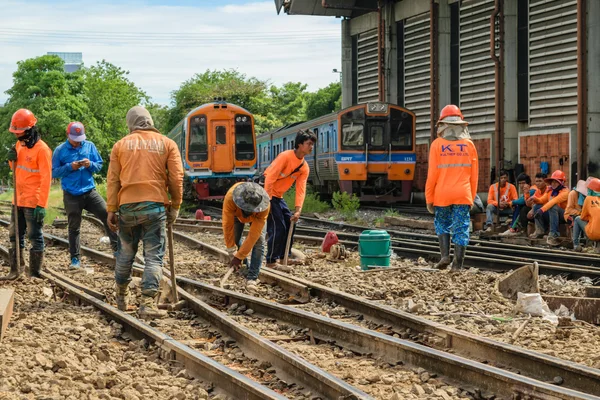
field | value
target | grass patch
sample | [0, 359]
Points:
[391, 213]
[346, 204]
[55, 200]
[312, 201]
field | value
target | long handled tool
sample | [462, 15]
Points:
[16, 220]
[226, 276]
[288, 243]
[176, 305]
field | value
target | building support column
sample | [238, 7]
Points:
[593, 87]
[444, 74]
[347, 86]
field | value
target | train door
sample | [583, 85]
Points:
[222, 153]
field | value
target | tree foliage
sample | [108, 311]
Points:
[99, 96]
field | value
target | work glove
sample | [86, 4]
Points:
[39, 214]
[235, 263]
[11, 155]
[430, 208]
[172, 214]
[231, 251]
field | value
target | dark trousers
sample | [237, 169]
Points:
[520, 220]
[278, 226]
[93, 203]
[29, 225]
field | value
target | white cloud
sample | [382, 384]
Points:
[162, 46]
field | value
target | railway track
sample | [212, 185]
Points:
[481, 254]
[531, 364]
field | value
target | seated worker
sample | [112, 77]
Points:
[542, 187]
[575, 200]
[551, 214]
[246, 202]
[588, 222]
[520, 220]
[500, 198]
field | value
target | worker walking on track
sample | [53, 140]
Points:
[145, 169]
[452, 184]
[33, 176]
[288, 168]
[246, 202]
[75, 161]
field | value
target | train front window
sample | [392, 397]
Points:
[401, 129]
[376, 134]
[244, 138]
[353, 136]
[198, 147]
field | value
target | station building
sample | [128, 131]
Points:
[525, 73]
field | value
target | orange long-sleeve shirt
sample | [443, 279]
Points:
[573, 208]
[34, 174]
[453, 173]
[591, 212]
[507, 193]
[548, 201]
[257, 222]
[138, 171]
[279, 177]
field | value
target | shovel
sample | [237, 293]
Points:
[176, 303]
[288, 243]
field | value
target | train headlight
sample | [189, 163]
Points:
[244, 118]
[238, 119]
[407, 171]
[346, 171]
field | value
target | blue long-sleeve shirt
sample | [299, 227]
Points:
[79, 181]
[521, 200]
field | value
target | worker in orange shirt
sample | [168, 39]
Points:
[246, 202]
[288, 168]
[575, 200]
[452, 184]
[33, 175]
[552, 211]
[500, 198]
[145, 170]
[588, 222]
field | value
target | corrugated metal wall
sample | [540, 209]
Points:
[553, 62]
[417, 93]
[367, 67]
[476, 66]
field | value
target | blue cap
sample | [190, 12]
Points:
[76, 131]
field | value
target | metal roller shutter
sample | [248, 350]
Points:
[476, 66]
[367, 67]
[417, 93]
[552, 62]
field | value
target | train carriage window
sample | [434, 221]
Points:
[376, 135]
[198, 147]
[244, 138]
[401, 130]
[353, 129]
[221, 134]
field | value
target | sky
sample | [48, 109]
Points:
[164, 43]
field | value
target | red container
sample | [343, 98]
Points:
[207, 217]
[329, 240]
[202, 190]
[199, 214]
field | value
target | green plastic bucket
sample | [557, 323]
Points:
[374, 247]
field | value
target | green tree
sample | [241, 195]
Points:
[203, 88]
[324, 101]
[109, 94]
[288, 102]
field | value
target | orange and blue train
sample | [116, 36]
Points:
[218, 148]
[367, 149]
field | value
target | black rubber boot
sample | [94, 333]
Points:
[15, 270]
[36, 261]
[444, 240]
[459, 257]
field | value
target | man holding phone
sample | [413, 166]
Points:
[75, 161]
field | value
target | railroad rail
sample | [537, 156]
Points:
[456, 368]
[480, 254]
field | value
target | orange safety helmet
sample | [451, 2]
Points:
[594, 185]
[451, 114]
[557, 175]
[22, 120]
